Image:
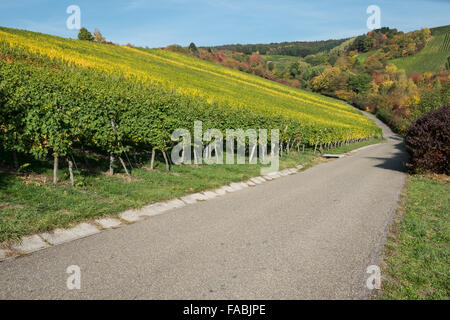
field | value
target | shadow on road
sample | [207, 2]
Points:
[398, 161]
[396, 138]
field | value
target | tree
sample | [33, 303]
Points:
[430, 100]
[322, 83]
[84, 34]
[98, 37]
[332, 59]
[361, 43]
[360, 83]
[294, 70]
[373, 64]
[193, 48]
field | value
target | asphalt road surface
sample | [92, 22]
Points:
[306, 236]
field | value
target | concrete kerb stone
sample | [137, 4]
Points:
[210, 195]
[3, 254]
[236, 186]
[108, 223]
[193, 198]
[175, 203]
[30, 244]
[160, 207]
[256, 181]
[130, 216]
[222, 191]
[244, 185]
[65, 235]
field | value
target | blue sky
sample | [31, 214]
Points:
[157, 23]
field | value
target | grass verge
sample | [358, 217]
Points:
[29, 203]
[417, 253]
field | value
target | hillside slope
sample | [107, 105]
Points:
[431, 58]
[196, 78]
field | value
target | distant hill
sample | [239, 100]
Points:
[431, 58]
[296, 48]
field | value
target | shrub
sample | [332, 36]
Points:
[360, 83]
[84, 34]
[193, 48]
[428, 142]
[177, 48]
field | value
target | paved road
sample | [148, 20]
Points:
[305, 236]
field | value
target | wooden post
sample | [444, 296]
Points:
[195, 156]
[70, 164]
[135, 156]
[55, 169]
[111, 164]
[165, 159]
[152, 163]
[86, 163]
[16, 162]
[124, 166]
[252, 153]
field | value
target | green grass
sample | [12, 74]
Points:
[342, 47]
[430, 59]
[280, 60]
[362, 57]
[29, 203]
[417, 253]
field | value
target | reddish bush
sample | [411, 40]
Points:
[416, 78]
[428, 142]
[377, 78]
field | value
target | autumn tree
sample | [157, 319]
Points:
[98, 37]
[373, 64]
[330, 80]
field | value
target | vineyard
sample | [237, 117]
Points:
[60, 94]
[432, 58]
